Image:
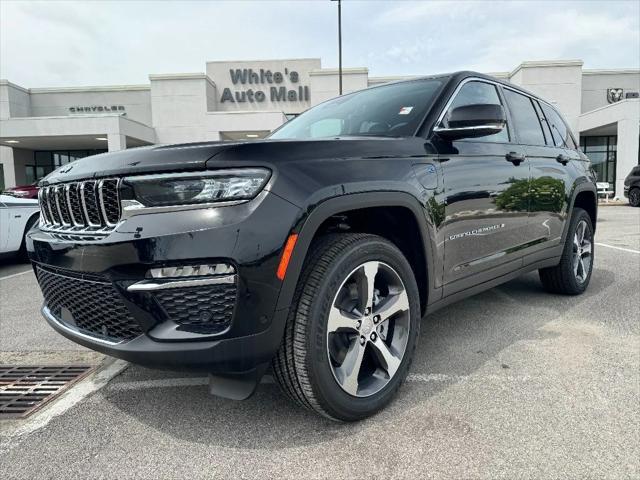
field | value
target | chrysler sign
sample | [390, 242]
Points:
[97, 108]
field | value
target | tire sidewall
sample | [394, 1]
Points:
[634, 197]
[579, 216]
[330, 394]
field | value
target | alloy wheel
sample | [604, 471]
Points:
[582, 252]
[368, 329]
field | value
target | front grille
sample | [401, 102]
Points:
[90, 207]
[207, 309]
[92, 306]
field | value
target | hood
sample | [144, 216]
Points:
[141, 160]
[211, 155]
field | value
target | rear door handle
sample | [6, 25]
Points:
[515, 158]
[563, 159]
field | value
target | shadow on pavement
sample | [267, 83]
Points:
[456, 341]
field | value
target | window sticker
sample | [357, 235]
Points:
[405, 111]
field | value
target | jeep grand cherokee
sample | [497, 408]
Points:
[317, 251]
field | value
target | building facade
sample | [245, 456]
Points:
[43, 128]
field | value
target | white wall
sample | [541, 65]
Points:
[559, 83]
[56, 102]
[325, 84]
[596, 82]
[14, 100]
[13, 161]
[626, 116]
[6, 160]
[179, 107]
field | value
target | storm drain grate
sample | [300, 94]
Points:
[24, 389]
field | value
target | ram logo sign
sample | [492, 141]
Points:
[614, 94]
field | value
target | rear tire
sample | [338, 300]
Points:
[634, 197]
[571, 276]
[339, 357]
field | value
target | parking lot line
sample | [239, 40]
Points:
[618, 248]
[15, 275]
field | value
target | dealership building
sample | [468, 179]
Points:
[43, 128]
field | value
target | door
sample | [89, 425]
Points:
[550, 157]
[486, 206]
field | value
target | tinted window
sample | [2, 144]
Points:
[394, 110]
[561, 134]
[548, 138]
[525, 118]
[473, 93]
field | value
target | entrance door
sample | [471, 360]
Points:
[486, 181]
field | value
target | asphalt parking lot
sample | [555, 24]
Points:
[511, 383]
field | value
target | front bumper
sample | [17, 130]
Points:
[249, 236]
[227, 355]
[626, 191]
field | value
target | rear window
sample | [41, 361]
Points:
[525, 118]
[561, 134]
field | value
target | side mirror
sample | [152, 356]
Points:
[472, 121]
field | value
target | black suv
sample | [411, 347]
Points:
[632, 187]
[316, 251]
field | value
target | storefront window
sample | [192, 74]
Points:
[30, 174]
[602, 153]
[47, 161]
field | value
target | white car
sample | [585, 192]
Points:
[17, 216]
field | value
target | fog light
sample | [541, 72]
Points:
[192, 271]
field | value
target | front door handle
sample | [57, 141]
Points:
[515, 158]
[563, 159]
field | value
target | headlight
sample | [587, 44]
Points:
[196, 188]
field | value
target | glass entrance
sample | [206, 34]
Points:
[46, 161]
[602, 152]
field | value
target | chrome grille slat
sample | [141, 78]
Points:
[53, 209]
[44, 211]
[90, 204]
[81, 208]
[75, 206]
[58, 195]
[109, 201]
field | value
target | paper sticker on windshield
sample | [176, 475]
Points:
[405, 111]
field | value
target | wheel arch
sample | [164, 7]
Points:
[351, 206]
[33, 216]
[27, 225]
[584, 196]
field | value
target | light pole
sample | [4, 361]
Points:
[339, 43]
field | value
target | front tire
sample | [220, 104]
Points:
[572, 275]
[352, 327]
[634, 197]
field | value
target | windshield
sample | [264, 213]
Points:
[394, 110]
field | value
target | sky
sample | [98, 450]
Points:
[60, 43]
